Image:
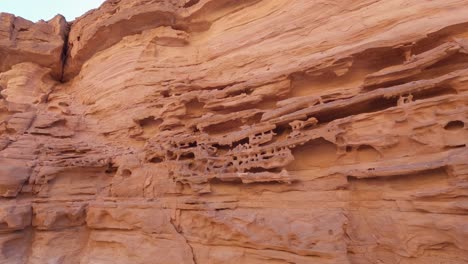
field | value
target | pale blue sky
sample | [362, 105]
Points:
[35, 10]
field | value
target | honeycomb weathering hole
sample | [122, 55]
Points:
[454, 125]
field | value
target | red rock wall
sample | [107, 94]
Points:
[220, 131]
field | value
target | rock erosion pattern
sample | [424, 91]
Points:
[221, 131]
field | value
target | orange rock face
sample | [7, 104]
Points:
[217, 131]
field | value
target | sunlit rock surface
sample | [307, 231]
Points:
[218, 131]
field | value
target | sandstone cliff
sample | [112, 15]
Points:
[223, 131]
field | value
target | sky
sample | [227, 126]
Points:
[35, 10]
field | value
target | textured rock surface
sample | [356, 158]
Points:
[218, 131]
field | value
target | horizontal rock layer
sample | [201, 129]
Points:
[236, 132]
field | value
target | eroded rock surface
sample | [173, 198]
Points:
[236, 132]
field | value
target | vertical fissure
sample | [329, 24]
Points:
[64, 55]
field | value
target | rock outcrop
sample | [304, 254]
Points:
[218, 131]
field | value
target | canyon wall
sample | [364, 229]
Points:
[226, 131]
